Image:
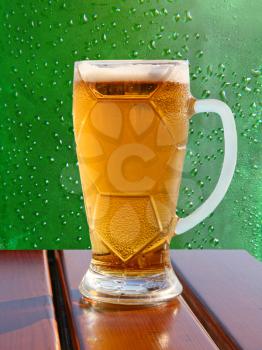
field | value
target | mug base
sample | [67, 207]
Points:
[130, 290]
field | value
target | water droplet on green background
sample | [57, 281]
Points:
[37, 152]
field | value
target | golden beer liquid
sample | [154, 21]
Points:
[131, 141]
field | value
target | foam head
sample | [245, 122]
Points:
[151, 71]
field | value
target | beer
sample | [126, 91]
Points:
[131, 132]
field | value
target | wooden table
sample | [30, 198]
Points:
[41, 308]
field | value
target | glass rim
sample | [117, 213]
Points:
[140, 61]
[135, 70]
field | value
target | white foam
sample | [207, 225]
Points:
[105, 71]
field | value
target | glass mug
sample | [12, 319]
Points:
[131, 122]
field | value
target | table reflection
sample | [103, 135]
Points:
[111, 326]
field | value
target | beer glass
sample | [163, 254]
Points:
[131, 123]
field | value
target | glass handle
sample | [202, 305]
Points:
[228, 168]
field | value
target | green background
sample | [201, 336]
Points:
[41, 205]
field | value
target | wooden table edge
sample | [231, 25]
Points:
[63, 281]
[207, 317]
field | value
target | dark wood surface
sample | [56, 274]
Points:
[172, 326]
[221, 306]
[27, 318]
[224, 288]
